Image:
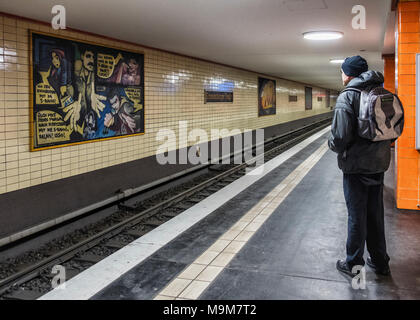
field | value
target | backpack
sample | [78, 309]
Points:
[381, 114]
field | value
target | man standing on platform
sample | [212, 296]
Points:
[363, 163]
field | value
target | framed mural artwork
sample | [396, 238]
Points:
[82, 92]
[266, 97]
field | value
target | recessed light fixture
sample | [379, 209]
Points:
[336, 61]
[323, 35]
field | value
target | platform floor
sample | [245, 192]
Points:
[278, 239]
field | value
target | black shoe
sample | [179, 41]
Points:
[382, 271]
[343, 267]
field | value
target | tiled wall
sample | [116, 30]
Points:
[173, 92]
[408, 44]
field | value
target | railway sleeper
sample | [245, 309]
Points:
[136, 233]
[23, 294]
[153, 223]
[89, 257]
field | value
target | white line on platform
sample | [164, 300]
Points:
[91, 281]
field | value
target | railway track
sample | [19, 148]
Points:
[34, 280]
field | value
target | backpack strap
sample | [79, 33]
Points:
[352, 89]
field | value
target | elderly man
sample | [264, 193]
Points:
[363, 163]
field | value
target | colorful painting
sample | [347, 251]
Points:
[266, 97]
[83, 92]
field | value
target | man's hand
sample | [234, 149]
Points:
[73, 112]
[109, 120]
[118, 58]
[97, 104]
[130, 122]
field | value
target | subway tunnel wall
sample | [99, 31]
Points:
[42, 185]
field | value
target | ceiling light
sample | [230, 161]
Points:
[323, 35]
[336, 61]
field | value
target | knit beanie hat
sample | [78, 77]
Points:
[354, 66]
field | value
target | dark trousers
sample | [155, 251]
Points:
[364, 199]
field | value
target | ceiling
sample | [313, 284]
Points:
[260, 35]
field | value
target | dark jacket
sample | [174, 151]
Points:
[355, 154]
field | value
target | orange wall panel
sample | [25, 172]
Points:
[410, 182]
[409, 16]
[408, 37]
[409, 111]
[406, 90]
[405, 69]
[409, 47]
[408, 194]
[408, 79]
[409, 131]
[406, 58]
[410, 27]
[407, 153]
[406, 142]
[409, 6]
[408, 158]
[406, 204]
[407, 100]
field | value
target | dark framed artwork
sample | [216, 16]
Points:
[217, 96]
[266, 97]
[83, 92]
[293, 98]
[308, 98]
[328, 97]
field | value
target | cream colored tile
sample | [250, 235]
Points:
[206, 257]
[279, 199]
[194, 290]
[272, 206]
[160, 297]
[223, 259]
[209, 273]
[254, 226]
[250, 216]
[240, 225]
[247, 219]
[234, 246]
[244, 235]
[219, 245]
[266, 212]
[12, 187]
[260, 218]
[175, 287]
[192, 271]
[263, 203]
[230, 234]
